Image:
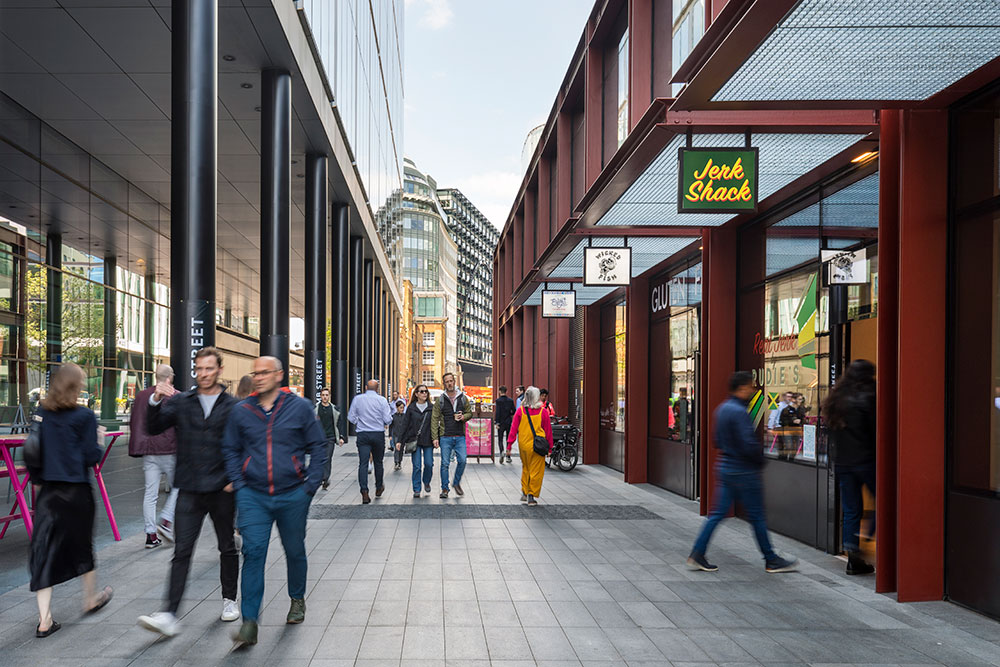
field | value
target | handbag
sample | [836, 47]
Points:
[411, 446]
[32, 448]
[539, 444]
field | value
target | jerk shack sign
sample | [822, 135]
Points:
[717, 180]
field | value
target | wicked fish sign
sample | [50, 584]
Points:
[717, 180]
[607, 266]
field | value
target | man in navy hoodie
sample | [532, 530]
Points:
[267, 439]
[738, 477]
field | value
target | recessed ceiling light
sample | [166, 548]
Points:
[228, 58]
[864, 157]
[246, 84]
[257, 109]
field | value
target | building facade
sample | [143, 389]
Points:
[855, 248]
[130, 239]
[476, 238]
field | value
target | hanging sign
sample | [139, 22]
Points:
[717, 180]
[607, 266]
[846, 267]
[558, 304]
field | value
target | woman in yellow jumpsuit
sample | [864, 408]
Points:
[531, 419]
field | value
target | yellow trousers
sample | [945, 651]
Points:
[532, 469]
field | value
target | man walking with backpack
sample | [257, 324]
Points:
[451, 410]
[738, 477]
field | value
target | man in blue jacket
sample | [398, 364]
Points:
[267, 439]
[738, 477]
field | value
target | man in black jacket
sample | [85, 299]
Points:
[199, 417]
[503, 414]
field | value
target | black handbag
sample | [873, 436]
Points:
[32, 448]
[539, 444]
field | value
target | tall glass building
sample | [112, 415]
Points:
[476, 238]
[299, 126]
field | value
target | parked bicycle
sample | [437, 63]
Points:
[565, 436]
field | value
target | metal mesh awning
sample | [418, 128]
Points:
[585, 296]
[868, 50]
[652, 198]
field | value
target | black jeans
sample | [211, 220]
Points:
[331, 444]
[504, 431]
[851, 479]
[188, 519]
[371, 444]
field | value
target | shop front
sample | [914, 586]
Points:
[796, 334]
[674, 367]
[613, 365]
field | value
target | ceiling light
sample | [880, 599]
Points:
[247, 85]
[228, 58]
[864, 157]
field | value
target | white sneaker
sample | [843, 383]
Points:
[238, 540]
[230, 612]
[371, 467]
[163, 622]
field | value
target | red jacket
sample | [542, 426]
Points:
[140, 443]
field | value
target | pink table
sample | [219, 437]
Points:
[19, 478]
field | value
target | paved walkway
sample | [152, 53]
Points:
[564, 585]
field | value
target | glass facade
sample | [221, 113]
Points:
[689, 26]
[360, 47]
[476, 238]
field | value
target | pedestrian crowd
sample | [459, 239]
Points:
[255, 460]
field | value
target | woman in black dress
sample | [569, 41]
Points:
[62, 543]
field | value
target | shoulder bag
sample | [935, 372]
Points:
[410, 447]
[32, 449]
[539, 444]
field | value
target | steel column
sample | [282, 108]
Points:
[316, 276]
[356, 332]
[340, 309]
[367, 316]
[109, 376]
[377, 331]
[637, 381]
[194, 87]
[923, 242]
[275, 204]
[592, 385]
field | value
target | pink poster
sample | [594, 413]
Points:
[478, 437]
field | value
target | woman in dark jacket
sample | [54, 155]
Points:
[62, 543]
[417, 428]
[849, 411]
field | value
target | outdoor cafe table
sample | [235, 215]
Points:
[19, 479]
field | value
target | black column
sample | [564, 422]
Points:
[109, 392]
[377, 332]
[315, 296]
[275, 212]
[53, 303]
[355, 333]
[367, 319]
[193, 139]
[149, 326]
[838, 328]
[340, 276]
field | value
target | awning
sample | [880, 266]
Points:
[852, 52]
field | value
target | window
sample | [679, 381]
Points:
[428, 356]
[430, 306]
[623, 76]
[689, 26]
[430, 337]
[427, 378]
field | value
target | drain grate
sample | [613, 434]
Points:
[458, 511]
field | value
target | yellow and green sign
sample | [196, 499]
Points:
[717, 180]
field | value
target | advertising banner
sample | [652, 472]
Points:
[716, 180]
[479, 437]
[558, 304]
[479, 394]
[607, 266]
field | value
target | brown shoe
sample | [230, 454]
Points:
[365, 499]
[458, 489]
[378, 491]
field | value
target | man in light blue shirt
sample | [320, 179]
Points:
[370, 414]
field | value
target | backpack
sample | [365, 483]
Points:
[32, 449]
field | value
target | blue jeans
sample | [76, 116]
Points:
[371, 445]
[852, 479]
[257, 513]
[452, 444]
[747, 489]
[427, 454]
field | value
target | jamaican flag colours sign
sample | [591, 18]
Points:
[717, 180]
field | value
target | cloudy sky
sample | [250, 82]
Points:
[479, 75]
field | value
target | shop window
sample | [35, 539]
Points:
[613, 367]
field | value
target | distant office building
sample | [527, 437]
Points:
[476, 238]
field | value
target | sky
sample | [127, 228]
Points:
[478, 76]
